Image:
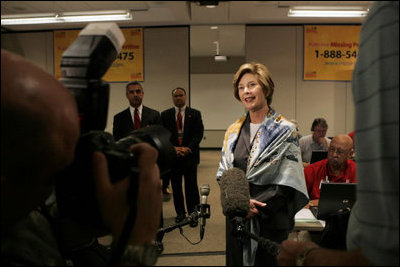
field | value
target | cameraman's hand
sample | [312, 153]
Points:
[113, 197]
[290, 251]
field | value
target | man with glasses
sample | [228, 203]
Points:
[314, 141]
[373, 227]
[337, 168]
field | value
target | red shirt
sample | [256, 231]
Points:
[317, 172]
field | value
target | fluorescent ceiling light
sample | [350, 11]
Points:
[218, 58]
[327, 11]
[67, 17]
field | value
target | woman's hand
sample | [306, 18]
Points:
[253, 207]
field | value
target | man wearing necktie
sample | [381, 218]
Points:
[136, 119]
[136, 115]
[179, 126]
[186, 127]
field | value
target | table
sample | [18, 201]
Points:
[306, 221]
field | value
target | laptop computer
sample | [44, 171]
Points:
[335, 197]
[318, 155]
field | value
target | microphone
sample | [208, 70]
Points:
[204, 191]
[235, 200]
[202, 211]
[235, 196]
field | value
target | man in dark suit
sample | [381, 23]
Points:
[186, 127]
[136, 116]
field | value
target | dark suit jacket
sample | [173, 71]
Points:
[193, 129]
[123, 123]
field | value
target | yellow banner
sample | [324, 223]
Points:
[330, 52]
[127, 67]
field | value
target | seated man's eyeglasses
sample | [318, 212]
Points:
[338, 150]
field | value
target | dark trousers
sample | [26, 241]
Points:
[165, 182]
[264, 258]
[234, 247]
[185, 167]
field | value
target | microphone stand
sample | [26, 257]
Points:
[243, 235]
[204, 212]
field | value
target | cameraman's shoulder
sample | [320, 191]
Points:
[150, 110]
[31, 242]
[167, 111]
[194, 111]
[120, 114]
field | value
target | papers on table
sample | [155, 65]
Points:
[305, 215]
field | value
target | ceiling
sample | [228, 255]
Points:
[230, 16]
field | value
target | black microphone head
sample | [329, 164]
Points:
[235, 196]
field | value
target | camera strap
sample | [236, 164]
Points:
[119, 247]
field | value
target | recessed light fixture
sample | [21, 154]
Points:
[208, 4]
[327, 11]
[219, 58]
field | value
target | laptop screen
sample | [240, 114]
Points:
[335, 197]
[318, 155]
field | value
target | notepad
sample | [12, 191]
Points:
[304, 215]
[305, 220]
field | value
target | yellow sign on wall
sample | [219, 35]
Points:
[330, 52]
[127, 67]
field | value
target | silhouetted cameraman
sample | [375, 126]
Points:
[39, 132]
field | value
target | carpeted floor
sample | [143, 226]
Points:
[178, 250]
[211, 250]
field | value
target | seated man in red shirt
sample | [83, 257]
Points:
[337, 168]
[353, 156]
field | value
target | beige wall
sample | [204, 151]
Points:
[166, 64]
[281, 49]
[36, 46]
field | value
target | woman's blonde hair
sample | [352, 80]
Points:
[263, 76]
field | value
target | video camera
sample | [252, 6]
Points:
[82, 66]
